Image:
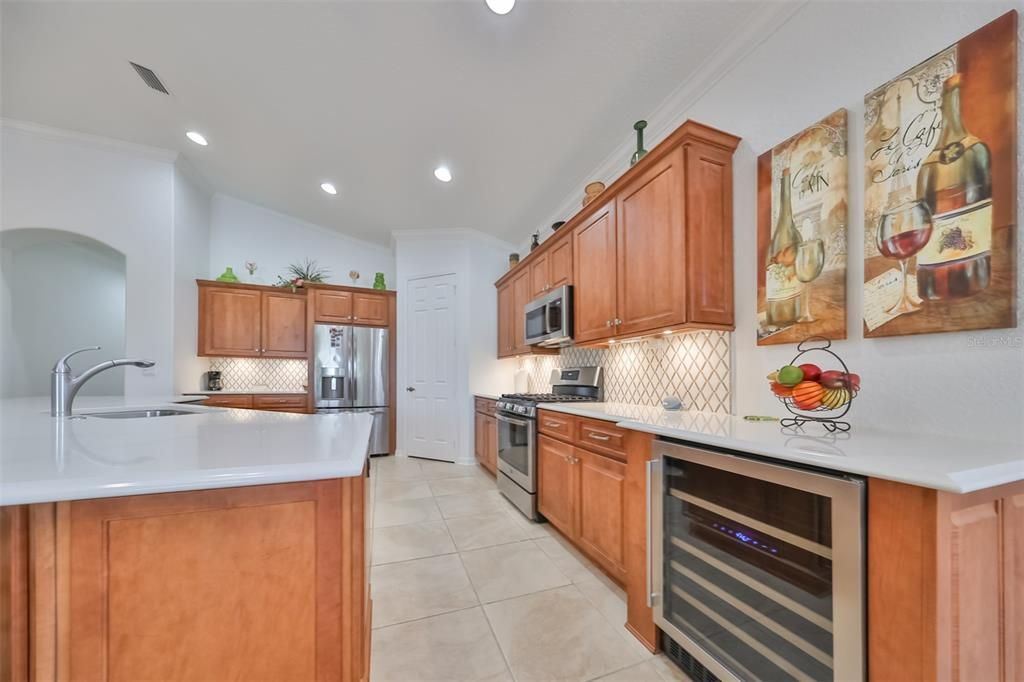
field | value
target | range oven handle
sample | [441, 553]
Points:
[510, 420]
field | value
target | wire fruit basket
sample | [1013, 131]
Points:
[824, 399]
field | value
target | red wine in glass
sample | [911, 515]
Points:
[905, 244]
[904, 229]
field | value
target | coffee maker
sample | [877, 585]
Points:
[212, 381]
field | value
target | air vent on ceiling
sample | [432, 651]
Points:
[149, 78]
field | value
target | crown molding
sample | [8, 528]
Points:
[451, 233]
[108, 143]
[764, 21]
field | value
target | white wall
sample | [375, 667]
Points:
[241, 231]
[191, 262]
[118, 194]
[476, 261]
[826, 56]
[61, 292]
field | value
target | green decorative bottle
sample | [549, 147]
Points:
[640, 151]
[378, 281]
[228, 276]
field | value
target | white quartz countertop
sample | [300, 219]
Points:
[252, 391]
[44, 459]
[959, 465]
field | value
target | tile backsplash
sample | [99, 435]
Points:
[275, 374]
[694, 367]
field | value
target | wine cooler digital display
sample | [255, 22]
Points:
[758, 568]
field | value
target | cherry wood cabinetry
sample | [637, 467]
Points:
[262, 582]
[654, 252]
[506, 321]
[552, 268]
[582, 492]
[352, 306]
[512, 299]
[235, 400]
[334, 306]
[251, 322]
[485, 435]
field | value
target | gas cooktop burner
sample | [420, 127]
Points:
[547, 397]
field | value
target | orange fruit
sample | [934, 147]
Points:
[807, 395]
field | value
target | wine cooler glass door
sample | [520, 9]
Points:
[758, 568]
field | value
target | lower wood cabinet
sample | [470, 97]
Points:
[263, 582]
[557, 493]
[485, 435]
[273, 402]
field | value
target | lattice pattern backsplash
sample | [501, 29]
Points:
[694, 367]
[276, 374]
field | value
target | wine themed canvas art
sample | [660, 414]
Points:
[940, 199]
[801, 235]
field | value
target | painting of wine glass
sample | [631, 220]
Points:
[801, 235]
[940, 200]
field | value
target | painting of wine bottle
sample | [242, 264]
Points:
[940, 190]
[801, 235]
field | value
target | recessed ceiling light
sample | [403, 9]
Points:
[328, 187]
[501, 6]
[443, 174]
[196, 137]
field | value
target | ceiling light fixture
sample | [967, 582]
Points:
[443, 174]
[196, 137]
[501, 6]
[328, 187]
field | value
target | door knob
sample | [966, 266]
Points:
[410, 389]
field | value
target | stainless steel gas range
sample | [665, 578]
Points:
[517, 431]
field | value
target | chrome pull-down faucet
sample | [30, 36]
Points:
[64, 386]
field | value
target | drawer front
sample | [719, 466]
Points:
[556, 424]
[243, 401]
[280, 402]
[485, 405]
[601, 436]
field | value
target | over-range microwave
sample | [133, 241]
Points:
[549, 318]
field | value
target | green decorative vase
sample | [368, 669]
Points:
[378, 281]
[640, 151]
[228, 276]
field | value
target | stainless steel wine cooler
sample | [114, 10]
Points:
[757, 570]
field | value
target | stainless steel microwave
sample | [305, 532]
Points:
[549, 318]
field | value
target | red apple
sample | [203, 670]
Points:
[833, 378]
[811, 372]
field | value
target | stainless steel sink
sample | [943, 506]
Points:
[140, 414]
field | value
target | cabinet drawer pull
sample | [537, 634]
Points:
[552, 423]
[598, 436]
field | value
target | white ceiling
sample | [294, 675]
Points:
[369, 95]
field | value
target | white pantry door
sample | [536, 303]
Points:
[431, 424]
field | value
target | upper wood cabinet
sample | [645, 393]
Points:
[657, 253]
[552, 268]
[506, 321]
[594, 272]
[251, 322]
[350, 307]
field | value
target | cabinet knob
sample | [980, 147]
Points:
[607, 323]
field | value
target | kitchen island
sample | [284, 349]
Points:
[943, 525]
[214, 544]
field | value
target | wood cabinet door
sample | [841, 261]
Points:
[491, 443]
[560, 263]
[594, 268]
[284, 325]
[263, 582]
[506, 323]
[709, 254]
[556, 484]
[602, 510]
[332, 306]
[540, 278]
[370, 309]
[521, 295]
[479, 437]
[229, 322]
[241, 401]
[651, 248]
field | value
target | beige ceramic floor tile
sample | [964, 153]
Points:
[453, 646]
[485, 530]
[511, 570]
[434, 470]
[415, 541]
[607, 598]
[398, 469]
[647, 671]
[557, 635]
[460, 486]
[534, 530]
[668, 670]
[472, 504]
[574, 565]
[416, 589]
[402, 490]
[399, 512]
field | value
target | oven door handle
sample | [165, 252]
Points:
[510, 420]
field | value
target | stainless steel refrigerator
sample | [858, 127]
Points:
[351, 375]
